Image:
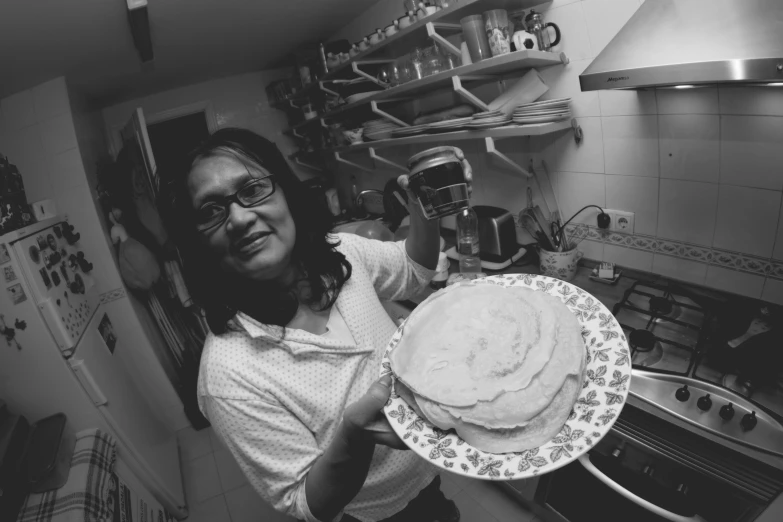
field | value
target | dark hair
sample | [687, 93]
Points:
[221, 294]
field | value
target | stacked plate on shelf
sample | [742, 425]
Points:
[450, 125]
[403, 132]
[489, 120]
[379, 129]
[543, 111]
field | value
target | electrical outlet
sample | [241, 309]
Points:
[621, 221]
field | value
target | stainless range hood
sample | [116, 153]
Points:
[692, 42]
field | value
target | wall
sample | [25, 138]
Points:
[56, 141]
[700, 167]
[237, 101]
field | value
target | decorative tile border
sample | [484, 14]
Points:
[112, 295]
[698, 253]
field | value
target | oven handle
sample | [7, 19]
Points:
[584, 460]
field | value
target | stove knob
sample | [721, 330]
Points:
[727, 412]
[648, 470]
[682, 489]
[617, 452]
[704, 403]
[683, 394]
[749, 421]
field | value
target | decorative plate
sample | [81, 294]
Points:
[607, 379]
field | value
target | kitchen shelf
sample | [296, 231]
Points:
[512, 62]
[509, 131]
[416, 34]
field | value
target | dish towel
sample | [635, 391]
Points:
[87, 495]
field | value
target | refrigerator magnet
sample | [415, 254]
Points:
[17, 293]
[4, 257]
[9, 274]
[107, 332]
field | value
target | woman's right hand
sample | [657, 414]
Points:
[365, 422]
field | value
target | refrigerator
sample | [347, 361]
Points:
[59, 353]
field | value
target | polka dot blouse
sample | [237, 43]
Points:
[276, 397]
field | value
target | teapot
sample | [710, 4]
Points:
[536, 25]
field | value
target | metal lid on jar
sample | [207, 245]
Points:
[432, 158]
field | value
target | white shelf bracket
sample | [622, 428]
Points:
[327, 90]
[307, 165]
[386, 115]
[293, 105]
[379, 159]
[358, 71]
[491, 150]
[578, 135]
[432, 32]
[467, 95]
[340, 159]
[564, 59]
[296, 134]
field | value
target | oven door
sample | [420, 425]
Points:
[648, 473]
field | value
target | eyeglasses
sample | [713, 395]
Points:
[215, 213]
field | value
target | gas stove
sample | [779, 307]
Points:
[680, 367]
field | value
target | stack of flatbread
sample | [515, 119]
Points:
[500, 365]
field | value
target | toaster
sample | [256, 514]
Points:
[497, 234]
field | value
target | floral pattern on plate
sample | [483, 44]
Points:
[606, 381]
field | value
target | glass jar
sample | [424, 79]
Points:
[433, 61]
[417, 64]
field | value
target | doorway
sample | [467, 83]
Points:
[172, 139]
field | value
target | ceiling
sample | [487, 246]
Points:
[90, 43]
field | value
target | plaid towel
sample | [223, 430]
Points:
[87, 496]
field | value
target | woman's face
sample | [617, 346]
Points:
[254, 242]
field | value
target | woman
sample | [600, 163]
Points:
[288, 377]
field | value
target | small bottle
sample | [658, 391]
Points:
[468, 242]
[441, 272]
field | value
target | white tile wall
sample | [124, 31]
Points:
[681, 269]
[628, 257]
[702, 100]
[51, 99]
[631, 145]
[690, 147]
[58, 134]
[565, 155]
[751, 151]
[778, 252]
[572, 22]
[563, 82]
[760, 101]
[605, 18]
[578, 190]
[773, 291]
[66, 171]
[740, 283]
[18, 110]
[686, 211]
[592, 249]
[747, 220]
[638, 195]
[626, 103]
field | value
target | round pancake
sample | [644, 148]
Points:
[516, 408]
[474, 342]
[540, 430]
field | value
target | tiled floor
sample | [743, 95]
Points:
[217, 491]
